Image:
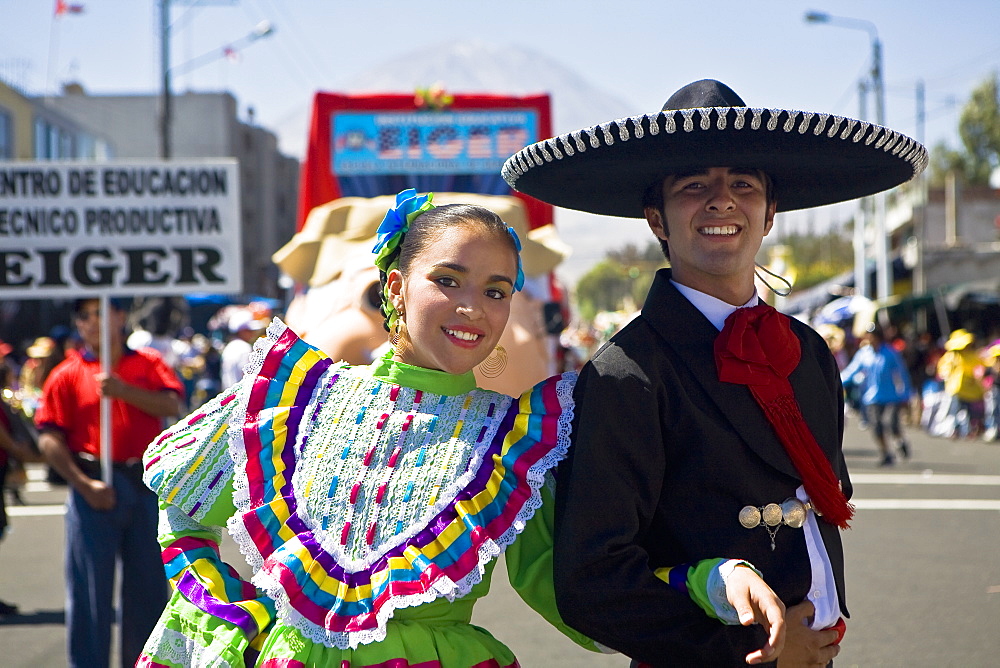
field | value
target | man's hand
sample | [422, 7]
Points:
[756, 603]
[111, 386]
[97, 494]
[803, 646]
[158, 403]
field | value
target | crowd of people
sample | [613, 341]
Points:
[200, 363]
[947, 388]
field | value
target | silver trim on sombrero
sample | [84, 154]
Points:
[820, 124]
[720, 123]
[837, 120]
[567, 146]
[849, 124]
[789, 122]
[772, 124]
[594, 141]
[637, 126]
[740, 113]
[804, 125]
[862, 131]
[890, 141]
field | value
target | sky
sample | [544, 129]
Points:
[637, 51]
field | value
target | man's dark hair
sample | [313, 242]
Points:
[117, 303]
[652, 198]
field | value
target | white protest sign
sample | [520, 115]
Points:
[127, 228]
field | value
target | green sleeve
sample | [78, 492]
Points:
[212, 613]
[705, 583]
[529, 568]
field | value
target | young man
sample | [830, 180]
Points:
[105, 523]
[885, 391]
[691, 444]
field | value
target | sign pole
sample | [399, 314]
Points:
[106, 462]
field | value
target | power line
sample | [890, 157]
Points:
[851, 91]
[948, 77]
[304, 54]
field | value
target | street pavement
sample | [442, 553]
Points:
[923, 569]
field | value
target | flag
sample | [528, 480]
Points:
[63, 7]
[389, 143]
[443, 143]
[480, 143]
[511, 139]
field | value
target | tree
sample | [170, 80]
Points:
[603, 288]
[979, 128]
[818, 257]
[619, 281]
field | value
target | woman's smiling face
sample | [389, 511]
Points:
[455, 298]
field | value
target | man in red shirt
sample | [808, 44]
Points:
[105, 522]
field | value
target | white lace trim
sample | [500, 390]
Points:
[190, 465]
[237, 446]
[330, 540]
[174, 647]
[173, 520]
[442, 586]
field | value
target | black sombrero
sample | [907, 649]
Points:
[813, 158]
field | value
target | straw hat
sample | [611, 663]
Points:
[336, 231]
[43, 346]
[959, 339]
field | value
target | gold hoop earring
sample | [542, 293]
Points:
[493, 366]
[397, 330]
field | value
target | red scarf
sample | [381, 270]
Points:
[757, 348]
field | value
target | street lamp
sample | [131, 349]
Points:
[261, 30]
[883, 277]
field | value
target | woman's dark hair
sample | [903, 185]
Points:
[425, 228]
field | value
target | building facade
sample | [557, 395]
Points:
[78, 126]
[33, 129]
[206, 125]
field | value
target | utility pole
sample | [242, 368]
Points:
[861, 224]
[166, 101]
[883, 269]
[883, 277]
[920, 214]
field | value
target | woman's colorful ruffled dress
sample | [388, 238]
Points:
[370, 503]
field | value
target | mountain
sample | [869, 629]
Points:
[478, 67]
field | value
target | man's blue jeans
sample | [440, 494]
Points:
[95, 542]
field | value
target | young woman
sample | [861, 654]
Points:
[372, 501]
